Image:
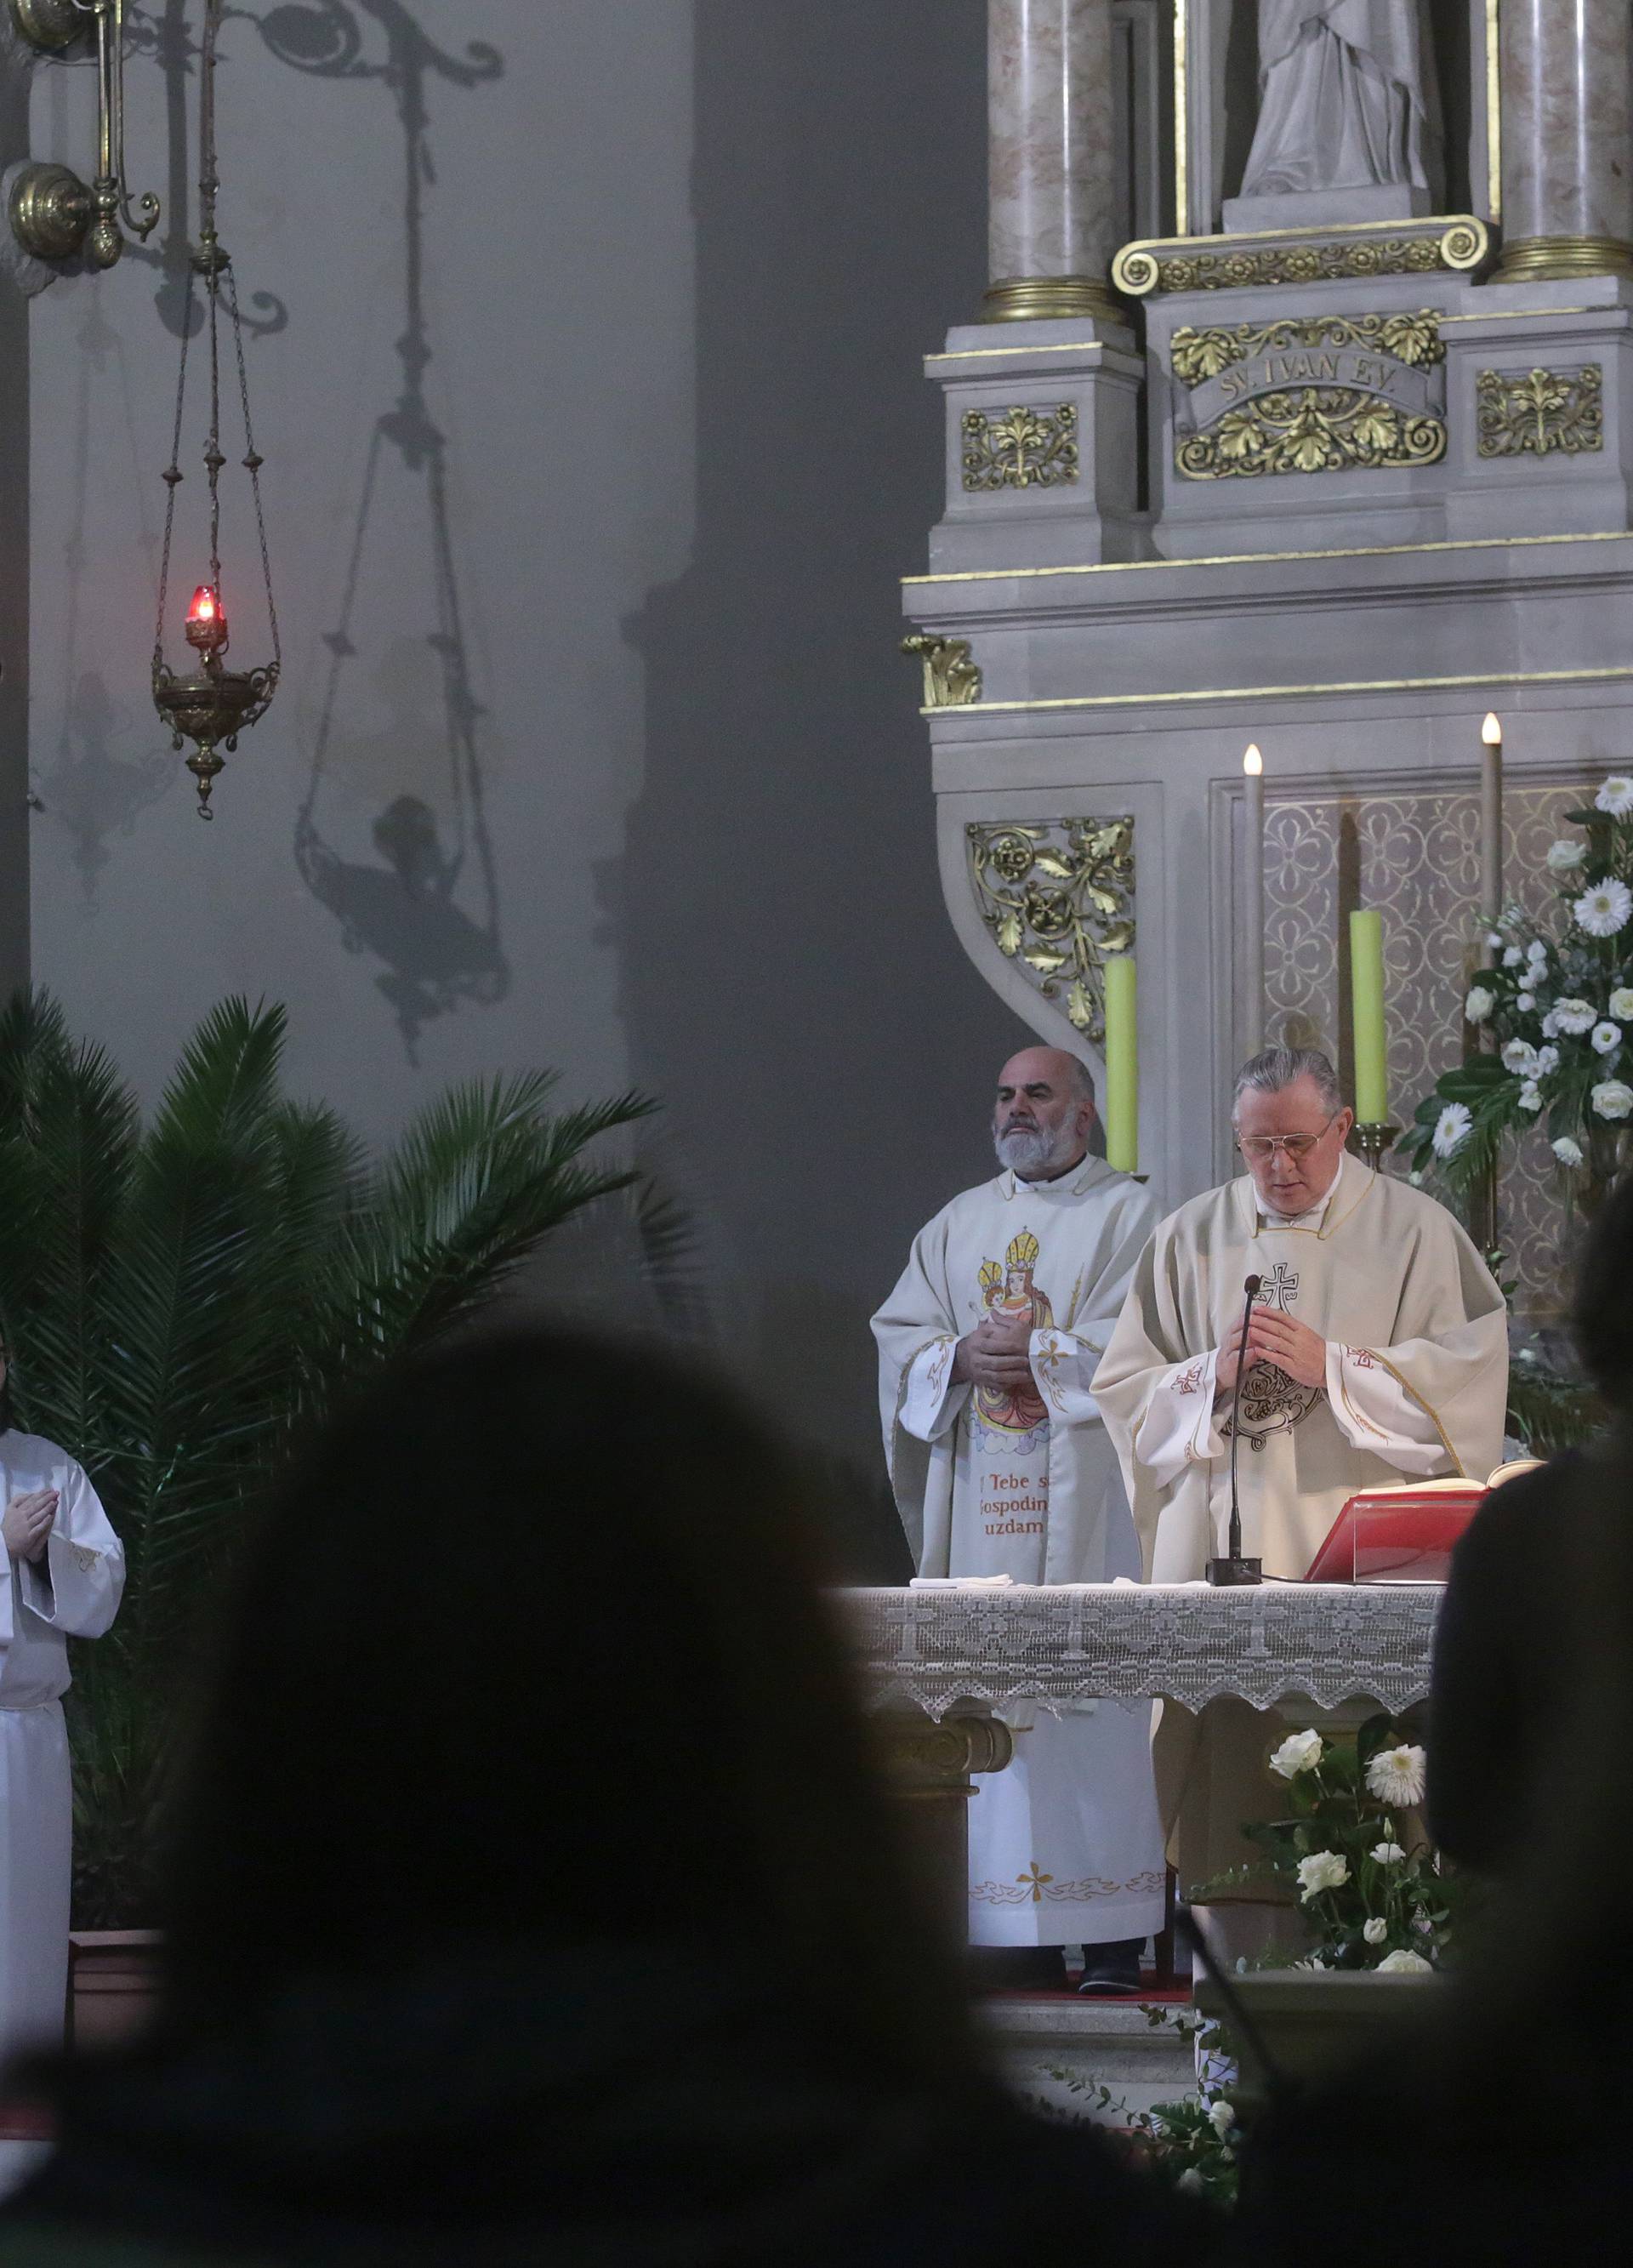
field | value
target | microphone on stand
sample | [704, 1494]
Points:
[1234, 1571]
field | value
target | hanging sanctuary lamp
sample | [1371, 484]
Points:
[211, 704]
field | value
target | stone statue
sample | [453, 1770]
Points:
[1348, 101]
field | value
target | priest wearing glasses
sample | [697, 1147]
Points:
[1376, 1353]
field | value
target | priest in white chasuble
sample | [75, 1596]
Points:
[1377, 1353]
[1002, 1467]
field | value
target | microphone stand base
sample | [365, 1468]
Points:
[1235, 1574]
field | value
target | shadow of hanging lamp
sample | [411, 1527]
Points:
[211, 704]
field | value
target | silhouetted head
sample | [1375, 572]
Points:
[532, 1649]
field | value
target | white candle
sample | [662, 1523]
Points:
[1490, 823]
[1253, 903]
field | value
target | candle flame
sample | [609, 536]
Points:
[205, 607]
[1492, 732]
[1253, 762]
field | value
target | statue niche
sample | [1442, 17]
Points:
[1348, 124]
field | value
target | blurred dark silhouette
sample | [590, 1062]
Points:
[532, 1894]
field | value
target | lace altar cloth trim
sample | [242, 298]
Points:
[1078, 1642]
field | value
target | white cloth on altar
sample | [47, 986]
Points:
[73, 1591]
[1065, 1845]
[1346, 97]
[1416, 1367]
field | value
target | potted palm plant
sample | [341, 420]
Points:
[186, 1290]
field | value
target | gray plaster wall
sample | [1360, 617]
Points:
[588, 376]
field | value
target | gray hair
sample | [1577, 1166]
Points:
[1273, 1068]
[1083, 1080]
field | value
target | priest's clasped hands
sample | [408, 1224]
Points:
[995, 1354]
[28, 1521]
[1273, 1337]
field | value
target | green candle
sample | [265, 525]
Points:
[1366, 1000]
[1123, 1067]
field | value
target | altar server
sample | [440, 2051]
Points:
[1001, 1466]
[1376, 1352]
[63, 1573]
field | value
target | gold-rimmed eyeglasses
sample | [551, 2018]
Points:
[1259, 1149]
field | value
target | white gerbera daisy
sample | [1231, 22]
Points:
[1604, 910]
[1452, 1130]
[1567, 1152]
[1396, 1775]
[1564, 857]
[1611, 1098]
[1572, 1015]
[1606, 1038]
[1617, 796]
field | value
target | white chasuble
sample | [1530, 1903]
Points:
[1416, 1385]
[1066, 1845]
[1416, 1379]
[72, 1592]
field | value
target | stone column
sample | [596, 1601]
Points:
[1567, 97]
[1050, 159]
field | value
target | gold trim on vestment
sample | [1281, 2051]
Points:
[1428, 1408]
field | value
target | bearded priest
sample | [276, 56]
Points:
[1376, 1352]
[1002, 1467]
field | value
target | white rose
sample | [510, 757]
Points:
[1221, 2117]
[1396, 1775]
[1617, 796]
[1611, 1098]
[1375, 1930]
[1513, 958]
[1479, 1004]
[1322, 1870]
[1564, 856]
[1621, 1003]
[1519, 1056]
[1548, 1060]
[1530, 1096]
[1574, 1016]
[1401, 1964]
[1567, 1152]
[1388, 1854]
[1299, 1752]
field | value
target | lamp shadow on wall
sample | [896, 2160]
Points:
[403, 909]
[790, 984]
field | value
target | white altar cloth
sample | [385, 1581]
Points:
[1332, 1642]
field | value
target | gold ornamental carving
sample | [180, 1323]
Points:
[952, 680]
[1535, 412]
[1057, 898]
[1298, 256]
[1020, 448]
[1314, 394]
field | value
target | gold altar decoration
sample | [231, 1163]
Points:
[1057, 898]
[1308, 395]
[1156, 265]
[1553, 258]
[1020, 448]
[952, 680]
[1049, 299]
[1535, 412]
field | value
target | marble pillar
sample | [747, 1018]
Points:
[1567, 97]
[1049, 143]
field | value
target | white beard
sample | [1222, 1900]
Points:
[1034, 1156]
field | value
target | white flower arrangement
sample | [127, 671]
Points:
[1374, 1929]
[1402, 1963]
[1555, 996]
[1388, 1854]
[1397, 1775]
[1299, 1752]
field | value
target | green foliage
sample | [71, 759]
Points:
[181, 1295]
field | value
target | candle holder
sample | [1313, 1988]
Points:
[1375, 1142]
